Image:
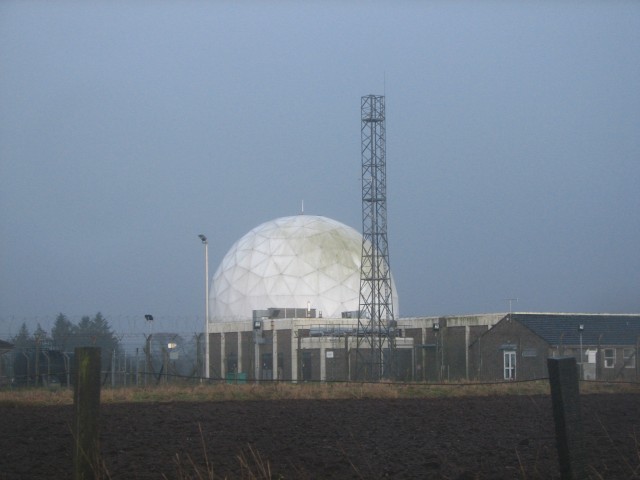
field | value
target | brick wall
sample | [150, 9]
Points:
[487, 352]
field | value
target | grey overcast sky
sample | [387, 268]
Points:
[128, 128]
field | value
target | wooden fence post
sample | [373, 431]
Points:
[565, 397]
[86, 400]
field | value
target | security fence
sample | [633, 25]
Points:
[139, 360]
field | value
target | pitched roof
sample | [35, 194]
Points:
[564, 328]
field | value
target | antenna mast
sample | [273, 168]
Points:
[375, 352]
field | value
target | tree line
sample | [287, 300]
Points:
[162, 354]
[65, 336]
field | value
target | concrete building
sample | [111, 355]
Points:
[284, 305]
[517, 348]
[296, 344]
[286, 344]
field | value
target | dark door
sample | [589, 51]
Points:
[306, 365]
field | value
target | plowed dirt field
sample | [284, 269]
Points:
[505, 437]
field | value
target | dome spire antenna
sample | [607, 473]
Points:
[302, 207]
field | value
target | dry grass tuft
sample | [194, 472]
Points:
[251, 466]
[215, 392]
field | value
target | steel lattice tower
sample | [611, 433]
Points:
[375, 353]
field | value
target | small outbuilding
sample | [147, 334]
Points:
[517, 347]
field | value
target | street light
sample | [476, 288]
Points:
[510, 300]
[206, 304]
[147, 356]
[436, 329]
[580, 329]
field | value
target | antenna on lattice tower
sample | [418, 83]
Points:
[376, 342]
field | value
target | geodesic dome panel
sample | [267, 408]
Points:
[290, 262]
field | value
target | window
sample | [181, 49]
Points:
[509, 365]
[629, 356]
[609, 357]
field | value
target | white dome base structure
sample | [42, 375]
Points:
[302, 261]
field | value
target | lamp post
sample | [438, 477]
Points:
[206, 304]
[171, 355]
[436, 330]
[510, 300]
[580, 329]
[147, 356]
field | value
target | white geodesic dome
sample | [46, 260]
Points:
[290, 262]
